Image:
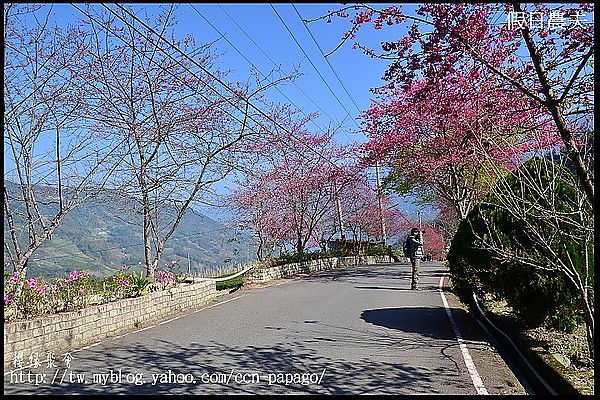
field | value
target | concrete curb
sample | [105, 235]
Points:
[543, 362]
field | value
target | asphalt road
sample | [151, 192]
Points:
[353, 331]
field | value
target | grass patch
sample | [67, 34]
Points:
[232, 283]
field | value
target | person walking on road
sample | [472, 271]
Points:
[415, 243]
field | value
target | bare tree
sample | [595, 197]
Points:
[52, 164]
[183, 130]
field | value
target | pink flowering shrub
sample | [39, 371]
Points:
[116, 287]
[169, 276]
[165, 279]
[30, 297]
[123, 284]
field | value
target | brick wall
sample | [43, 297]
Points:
[282, 271]
[62, 332]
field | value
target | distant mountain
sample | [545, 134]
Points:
[102, 234]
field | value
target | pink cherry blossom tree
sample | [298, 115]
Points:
[544, 53]
[362, 213]
[442, 145]
[290, 192]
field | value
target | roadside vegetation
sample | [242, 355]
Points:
[233, 283]
[238, 281]
[26, 298]
[529, 244]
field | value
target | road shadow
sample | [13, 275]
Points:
[297, 353]
[217, 360]
[382, 288]
[406, 287]
[431, 322]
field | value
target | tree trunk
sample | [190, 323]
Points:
[589, 328]
[260, 249]
[147, 238]
[299, 245]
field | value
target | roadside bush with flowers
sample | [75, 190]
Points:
[169, 276]
[30, 297]
[26, 298]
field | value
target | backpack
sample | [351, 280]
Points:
[406, 247]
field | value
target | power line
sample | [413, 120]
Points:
[313, 65]
[217, 79]
[273, 62]
[188, 70]
[161, 66]
[327, 60]
[92, 18]
[208, 72]
[252, 64]
[204, 69]
[250, 104]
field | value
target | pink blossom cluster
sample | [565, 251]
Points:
[75, 275]
[37, 285]
[124, 281]
[8, 298]
[165, 278]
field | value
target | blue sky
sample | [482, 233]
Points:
[357, 72]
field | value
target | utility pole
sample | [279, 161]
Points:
[189, 266]
[381, 217]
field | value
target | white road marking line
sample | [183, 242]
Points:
[477, 382]
[167, 321]
[143, 329]
[219, 303]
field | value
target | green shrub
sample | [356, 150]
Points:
[537, 295]
[232, 283]
[139, 283]
[376, 251]
[309, 256]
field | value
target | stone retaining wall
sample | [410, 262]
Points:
[306, 267]
[62, 332]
